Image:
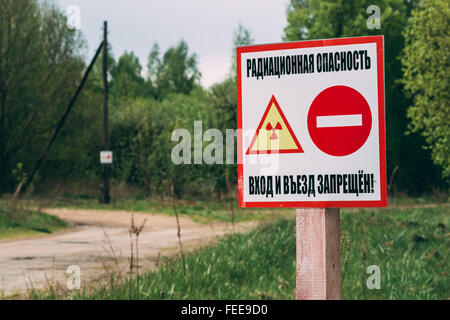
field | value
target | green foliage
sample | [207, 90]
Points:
[142, 127]
[202, 211]
[241, 37]
[75, 152]
[176, 72]
[16, 221]
[426, 64]
[222, 99]
[318, 19]
[127, 83]
[141, 135]
[40, 65]
[315, 19]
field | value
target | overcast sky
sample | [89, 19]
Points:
[206, 25]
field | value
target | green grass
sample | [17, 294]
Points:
[198, 210]
[17, 222]
[202, 211]
[411, 247]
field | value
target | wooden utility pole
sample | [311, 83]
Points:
[106, 167]
[318, 254]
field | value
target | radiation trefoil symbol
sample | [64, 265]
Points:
[274, 134]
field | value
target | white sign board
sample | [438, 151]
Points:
[311, 124]
[106, 157]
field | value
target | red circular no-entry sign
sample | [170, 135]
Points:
[339, 121]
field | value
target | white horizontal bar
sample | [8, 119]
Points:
[345, 120]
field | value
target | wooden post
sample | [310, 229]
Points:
[318, 254]
[106, 167]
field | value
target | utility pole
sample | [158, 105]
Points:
[105, 198]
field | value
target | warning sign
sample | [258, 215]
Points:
[312, 124]
[274, 134]
[106, 157]
[339, 121]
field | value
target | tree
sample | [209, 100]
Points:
[74, 155]
[40, 66]
[241, 37]
[319, 19]
[176, 72]
[141, 134]
[426, 65]
[127, 82]
[222, 99]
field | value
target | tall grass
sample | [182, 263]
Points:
[411, 247]
[17, 220]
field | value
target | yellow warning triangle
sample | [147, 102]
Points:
[274, 134]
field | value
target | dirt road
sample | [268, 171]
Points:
[97, 237]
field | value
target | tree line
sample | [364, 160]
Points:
[42, 62]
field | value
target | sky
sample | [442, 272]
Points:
[206, 25]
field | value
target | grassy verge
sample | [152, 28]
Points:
[198, 210]
[411, 247]
[18, 222]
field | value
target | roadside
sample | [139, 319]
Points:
[201, 211]
[410, 246]
[98, 242]
[18, 222]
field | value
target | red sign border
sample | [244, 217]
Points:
[286, 122]
[378, 40]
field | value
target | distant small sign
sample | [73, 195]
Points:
[106, 157]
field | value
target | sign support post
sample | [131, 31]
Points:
[318, 269]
